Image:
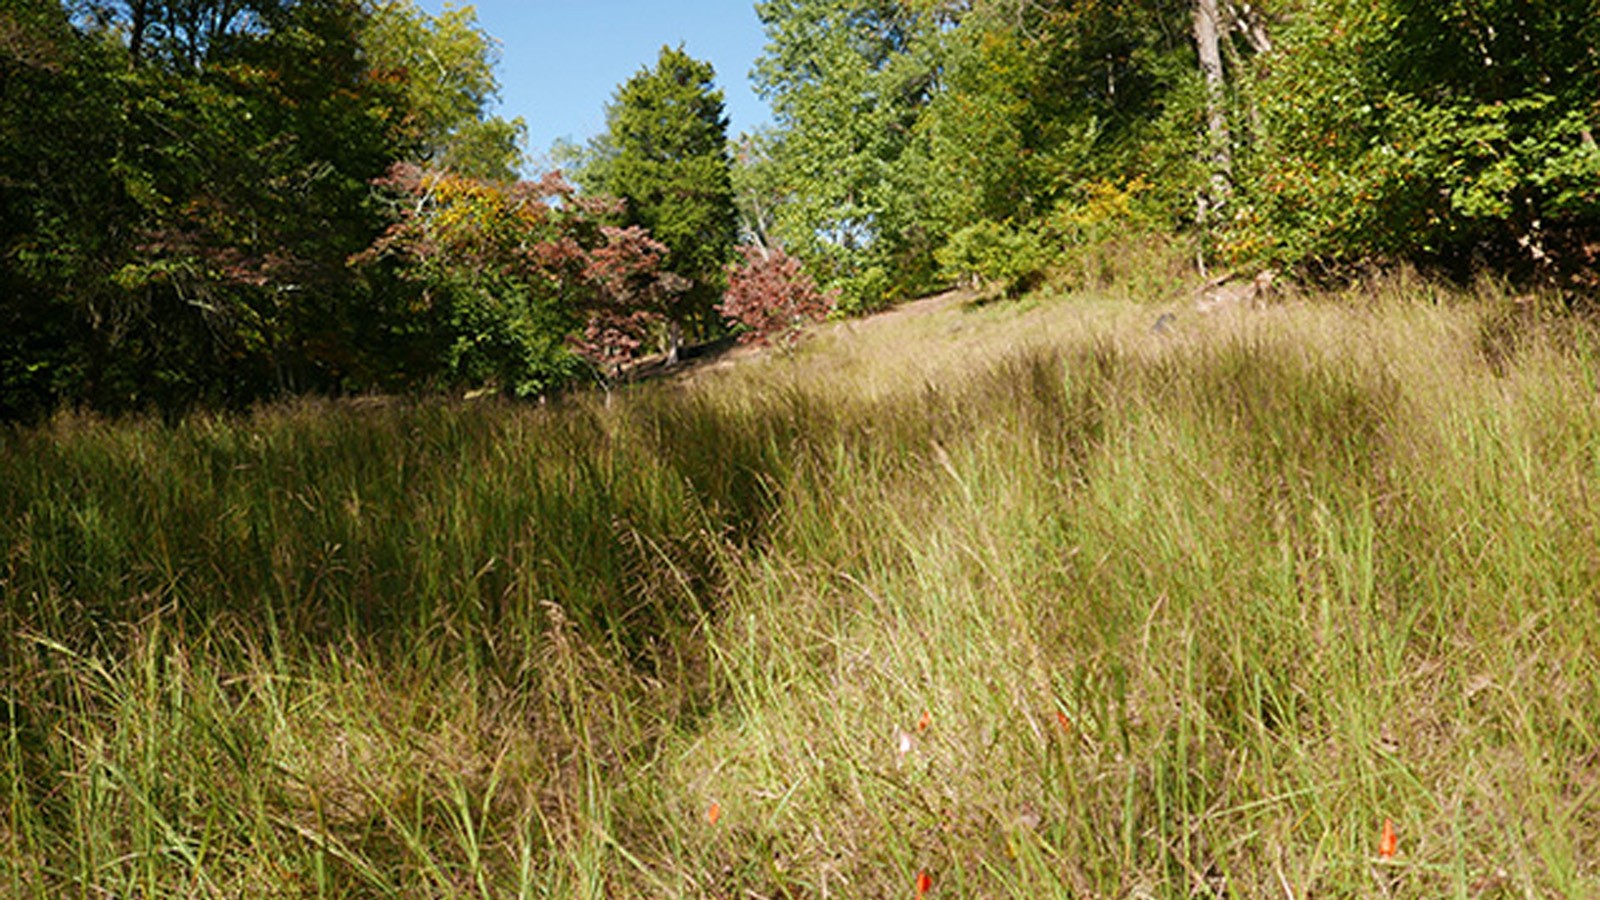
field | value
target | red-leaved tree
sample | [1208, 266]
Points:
[772, 297]
[629, 298]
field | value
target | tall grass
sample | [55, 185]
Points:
[1024, 597]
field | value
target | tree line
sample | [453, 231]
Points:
[205, 203]
[212, 202]
[185, 184]
[919, 141]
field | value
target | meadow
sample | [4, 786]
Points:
[1015, 599]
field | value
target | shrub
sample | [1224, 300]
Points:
[867, 291]
[771, 296]
[992, 253]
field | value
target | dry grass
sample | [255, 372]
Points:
[1021, 595]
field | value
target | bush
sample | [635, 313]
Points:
[867, 291]
[771, 296]
[991, 253]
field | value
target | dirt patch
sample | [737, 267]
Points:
[725, 353]
[925, 306]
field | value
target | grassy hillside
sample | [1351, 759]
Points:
[1025, 597]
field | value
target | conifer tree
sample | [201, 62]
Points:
[665, 153]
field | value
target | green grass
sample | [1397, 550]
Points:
[1282, 576]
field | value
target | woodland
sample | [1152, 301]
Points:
[211, 204]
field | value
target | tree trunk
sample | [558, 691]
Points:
[674, 342]
[138, 24]
[1248, 21]
[1218, 156]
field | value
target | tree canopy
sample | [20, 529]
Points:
[186, 182]
[1295, 133]
[847, 80]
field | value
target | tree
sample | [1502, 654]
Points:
[182, 34]
[185, 200]
[56, 95]
[772, 296]
[522, 280]
[1454, 134]
[1043, 111]
[983, 162]
[261, 169]
[444, 65]
[1218, 152]
[665, 154]
[757, 193]
[848, 80]
[184, 182]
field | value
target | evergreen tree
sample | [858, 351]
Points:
[665, 153]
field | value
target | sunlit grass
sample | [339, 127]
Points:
[1188, 614]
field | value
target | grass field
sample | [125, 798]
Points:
[1021, 596]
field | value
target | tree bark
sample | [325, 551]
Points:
[1248, 21]
[674, 342]
[1218, 156]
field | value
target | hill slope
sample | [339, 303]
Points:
[1024, 597]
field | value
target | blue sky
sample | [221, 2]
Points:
[560, 60]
